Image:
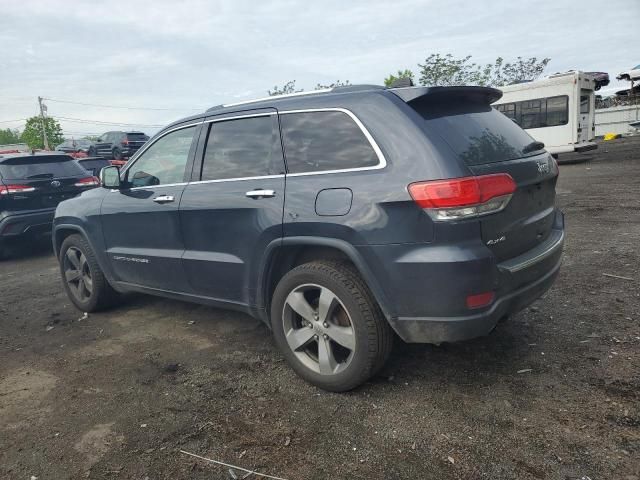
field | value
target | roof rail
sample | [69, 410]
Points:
[341, 89]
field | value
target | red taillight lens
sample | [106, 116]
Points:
[9, 189]
[88, 182]
[463, 197]
[480, 300]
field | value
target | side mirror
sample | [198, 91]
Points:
[110, 177]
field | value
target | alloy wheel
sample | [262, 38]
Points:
[77, 274]
[318, 329]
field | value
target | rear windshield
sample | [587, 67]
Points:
[137, 137]
[34, 167]
[476, 132]
[94, 165]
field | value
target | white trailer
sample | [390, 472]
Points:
[558, 110]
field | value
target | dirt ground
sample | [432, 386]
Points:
[552, 394]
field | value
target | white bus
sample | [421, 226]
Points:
[558, 111]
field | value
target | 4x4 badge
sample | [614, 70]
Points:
[543, 166]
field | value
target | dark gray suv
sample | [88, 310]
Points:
[337, 217]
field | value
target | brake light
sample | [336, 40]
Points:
[9, 189]
[480, 300]
[464, 197]
[88, 182]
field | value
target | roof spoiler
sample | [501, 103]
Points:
[485, 95]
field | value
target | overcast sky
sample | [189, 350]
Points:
[187, 55]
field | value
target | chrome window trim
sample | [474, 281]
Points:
[140, 151]
[236, 117]
[236, 179]
[382, 161]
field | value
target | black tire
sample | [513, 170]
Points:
[91, 152]
[3, 252]
[94, 293]
[355, 308]
[116, 153]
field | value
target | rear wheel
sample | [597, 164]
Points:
[328, 325]
[117, 154]
[83, 280]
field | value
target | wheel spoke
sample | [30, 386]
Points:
[88, 283]
[299, 337]
[326, 304]
[72, 256]
[299, 304]
[343, 336]
[326, 360]
[72, 275]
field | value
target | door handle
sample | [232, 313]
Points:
[164, 199]
[260, 194]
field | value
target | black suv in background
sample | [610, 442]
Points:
[118, 145]
[420, 211]
[73, 146]
[31, 186]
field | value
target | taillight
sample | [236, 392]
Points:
[9, 189]
[88, 182]
[464, 197]
[125, 142]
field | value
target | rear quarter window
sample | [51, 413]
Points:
[477, 133]
[28, 168]
[323, 141]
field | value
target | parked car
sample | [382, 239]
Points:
[74, 146]
[421, 211]
[118, 145]
[93, 165]
[31, 186]
[632, 74]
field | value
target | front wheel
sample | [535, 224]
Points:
[117, 154]
[328, 325]
[91, 152]
[83, 280]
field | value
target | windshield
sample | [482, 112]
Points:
[476, 132]
[30, 168]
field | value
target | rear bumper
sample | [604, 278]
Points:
[32, 223]
[427, 292]
[453, 329]
[577, 147]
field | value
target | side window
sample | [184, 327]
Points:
[246, 147]
[163, 162]
[321, 141]
[557, 111]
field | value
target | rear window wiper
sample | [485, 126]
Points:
[533, 147]
[40, 175]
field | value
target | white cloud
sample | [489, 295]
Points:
[197, 53]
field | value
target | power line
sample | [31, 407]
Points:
[122, 106]
[16, 120]
[101, 122]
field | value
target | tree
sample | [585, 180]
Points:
[445, 70]
[337, 83]
[406, 73]
[32, 134]
[289, 87]
[8, 136]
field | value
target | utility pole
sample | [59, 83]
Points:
[43, 108]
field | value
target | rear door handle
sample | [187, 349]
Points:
[260, 194]
[164, 199]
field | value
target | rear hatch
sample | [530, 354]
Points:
[35, 182]
[488, 142]
[135, 140]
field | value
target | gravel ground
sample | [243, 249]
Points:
[551, 394]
